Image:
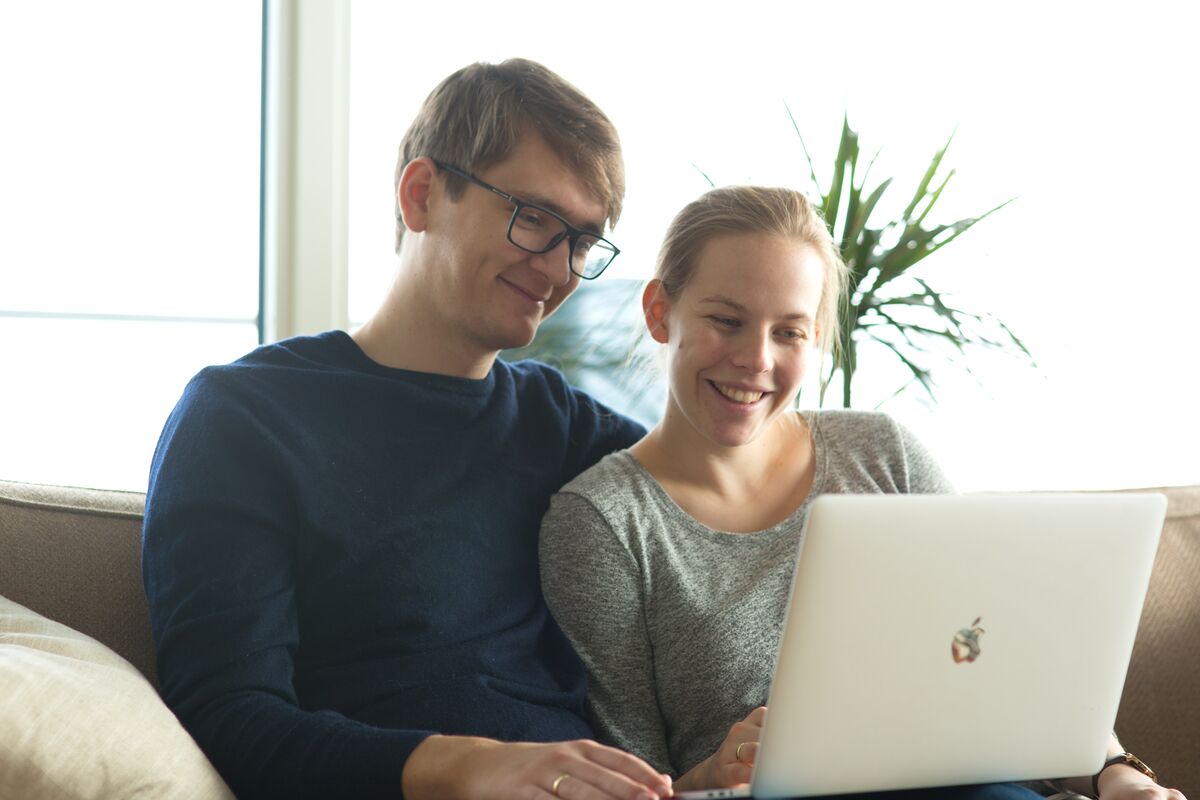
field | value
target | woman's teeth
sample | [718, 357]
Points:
[737, 395]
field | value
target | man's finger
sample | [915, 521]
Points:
[590, 781]
[626, 764]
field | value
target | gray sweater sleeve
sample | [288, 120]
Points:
[594, 589]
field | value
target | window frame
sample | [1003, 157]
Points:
[305, 162]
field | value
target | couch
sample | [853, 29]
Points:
[71, 595]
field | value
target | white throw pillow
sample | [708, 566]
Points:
[79, 721]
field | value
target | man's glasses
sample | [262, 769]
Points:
[538, 230]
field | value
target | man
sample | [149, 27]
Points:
[340, 537]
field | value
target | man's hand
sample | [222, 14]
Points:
[733, 762]
[470, 768]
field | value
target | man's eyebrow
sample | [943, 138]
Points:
[729, 302]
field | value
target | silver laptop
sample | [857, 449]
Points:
[940, 640]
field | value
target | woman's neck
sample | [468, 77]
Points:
[742, 489]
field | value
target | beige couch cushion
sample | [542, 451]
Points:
[78, 721]
[1159, 718]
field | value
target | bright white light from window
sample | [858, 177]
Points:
[130, 164]
[1084, 112]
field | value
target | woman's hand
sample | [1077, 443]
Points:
[733, 762]
[470, 768]
[1126, 783]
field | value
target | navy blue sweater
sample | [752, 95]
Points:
[341, 558]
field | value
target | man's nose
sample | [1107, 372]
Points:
[555, 263]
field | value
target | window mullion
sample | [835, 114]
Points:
[306, 166]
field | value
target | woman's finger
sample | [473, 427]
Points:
[746, 753]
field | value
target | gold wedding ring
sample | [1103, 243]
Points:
[737, 754]
[558, 782]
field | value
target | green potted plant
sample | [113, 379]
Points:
[905, 317]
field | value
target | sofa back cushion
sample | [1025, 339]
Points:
[1159, 718]
[74, 555]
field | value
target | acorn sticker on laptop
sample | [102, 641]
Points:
[965, 646]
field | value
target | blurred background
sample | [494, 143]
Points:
[182, 181]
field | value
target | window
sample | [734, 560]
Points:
[130, 201]
[131, 197]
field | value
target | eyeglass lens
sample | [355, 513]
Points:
[537, 231]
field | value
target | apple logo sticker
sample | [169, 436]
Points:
[965, 646]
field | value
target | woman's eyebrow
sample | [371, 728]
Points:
[721, 299]
[729, 302]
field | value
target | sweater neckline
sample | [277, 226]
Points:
[471, 387]
[765, 535]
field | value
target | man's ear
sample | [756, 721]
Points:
[416, 187]
[654, 309]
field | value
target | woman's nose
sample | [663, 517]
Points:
[754, 353]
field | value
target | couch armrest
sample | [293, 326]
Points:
[74, 555]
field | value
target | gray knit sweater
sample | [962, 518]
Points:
[678, 624]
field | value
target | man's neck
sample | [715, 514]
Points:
[401, 335]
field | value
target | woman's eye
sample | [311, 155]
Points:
[793, 335]
[725, 322]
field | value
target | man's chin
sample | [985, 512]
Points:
[513, 339]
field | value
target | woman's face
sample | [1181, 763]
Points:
[740, 335]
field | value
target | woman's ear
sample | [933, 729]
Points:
[654, 308]
[414, 192]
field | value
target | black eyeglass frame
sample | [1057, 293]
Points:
[570, 232]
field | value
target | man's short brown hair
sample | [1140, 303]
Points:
[475, 118]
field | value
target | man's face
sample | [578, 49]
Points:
[492, 293]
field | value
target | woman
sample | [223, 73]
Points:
[690, 536]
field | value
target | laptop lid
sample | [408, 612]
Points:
[938, 640]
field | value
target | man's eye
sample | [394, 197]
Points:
[584, 245]
[528, 218]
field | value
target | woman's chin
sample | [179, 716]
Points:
[733, 435]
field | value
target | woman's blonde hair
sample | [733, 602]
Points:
[754, 209]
